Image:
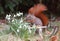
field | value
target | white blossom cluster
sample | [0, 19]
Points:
[26, 26]
[20, 24]
[18, 14]
[8, 16]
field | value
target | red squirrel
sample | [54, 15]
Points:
[36, 11]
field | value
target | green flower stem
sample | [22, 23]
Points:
[14, 31]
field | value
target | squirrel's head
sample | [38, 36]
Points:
[30, 18]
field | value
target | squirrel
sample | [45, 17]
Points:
[37, 10]
[35, 16]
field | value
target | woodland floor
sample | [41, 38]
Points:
[10, 37]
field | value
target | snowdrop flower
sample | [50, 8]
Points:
[13, 20]
[29, 30]
[18, 14]
[27, 23]
[34, 26]
[24, 25]
[17, 30]
[14, 16]
[8, 17]
[21, 20]
[20, 26]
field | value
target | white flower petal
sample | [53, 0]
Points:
[21, 20]
[20, 26]
[24, 25]
[29, 31]
[17, 30]
[21, 13]
[14, 15]
[13, 20]
[18, 14]
[8, 18]
[9, 15]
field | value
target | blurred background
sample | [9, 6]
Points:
[13, 6]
